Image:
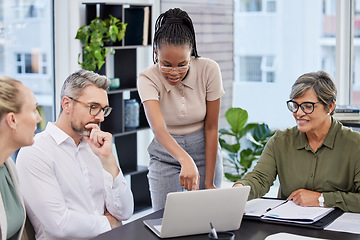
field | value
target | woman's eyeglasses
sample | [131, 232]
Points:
[306, 107]
[177, 69]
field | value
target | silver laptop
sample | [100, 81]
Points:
[188, 213]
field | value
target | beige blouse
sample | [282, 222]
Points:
[184, 105]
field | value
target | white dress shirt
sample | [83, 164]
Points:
[66, 190]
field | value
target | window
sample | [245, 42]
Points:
[256, 5]
[250, 69]
[22, 9]
[272, 50]
[26, 49]
[268, 68]
[27, 63]
[355, 94]
[257, 68]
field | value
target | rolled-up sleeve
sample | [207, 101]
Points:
[119, 198]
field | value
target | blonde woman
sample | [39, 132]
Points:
[18, 122]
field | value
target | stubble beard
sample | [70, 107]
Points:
[82, 131]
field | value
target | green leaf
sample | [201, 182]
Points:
[93, 37]
[233, 177]
[122, 31]
[247, 157]
[261, 132]
[113, 32]
[230, 147]
[98, 55]
[246, 129]
[236, 117]
[226, 132]
[100, 64]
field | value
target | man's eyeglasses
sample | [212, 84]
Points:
[170, 69]
[306, 107]
[94, 109]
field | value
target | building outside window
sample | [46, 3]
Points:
[256, 68]
[26, 49]
[355, 96]
[274, 43]
[256, 5]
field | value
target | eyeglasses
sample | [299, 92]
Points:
[94, 109]
[170, 69]
[306, 107]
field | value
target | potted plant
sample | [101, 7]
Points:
[95, 37]
[253, 135]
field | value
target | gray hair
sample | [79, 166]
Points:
[76, 82]
[322, 84]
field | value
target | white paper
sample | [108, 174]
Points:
[291, 211]
[348, 222]
[287, 236]
[257, 207]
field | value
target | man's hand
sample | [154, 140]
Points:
[99, 141]
[114, 223]
[305, 198]
[189, 176]
[101, 144]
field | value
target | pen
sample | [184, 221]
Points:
[269, 209]
[213, 231]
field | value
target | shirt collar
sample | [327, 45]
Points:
[329, 139]
[59, 135]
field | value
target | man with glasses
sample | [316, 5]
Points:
[318, 160]
[71, 183]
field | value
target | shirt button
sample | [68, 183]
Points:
[182, 98]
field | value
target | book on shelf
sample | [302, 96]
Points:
[146, 26]
[287, 212]
[347, 116]
[347, 109]
[137, 30]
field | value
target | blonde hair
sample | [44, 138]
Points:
[10, 100]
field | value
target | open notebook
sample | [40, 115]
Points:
[288, 212]
[188, 213]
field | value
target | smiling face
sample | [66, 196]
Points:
[80, 116]
[315, 121]
[27, 119]
[173, 56]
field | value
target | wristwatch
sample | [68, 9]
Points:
[321, 200]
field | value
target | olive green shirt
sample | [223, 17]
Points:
[334, 169]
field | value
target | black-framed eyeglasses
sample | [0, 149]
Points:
[94, 109]
[306, 107]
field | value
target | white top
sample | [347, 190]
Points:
[66, 190]
[183, 106]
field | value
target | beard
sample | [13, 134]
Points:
[81, 130]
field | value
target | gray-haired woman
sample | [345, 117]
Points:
[318, 161]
